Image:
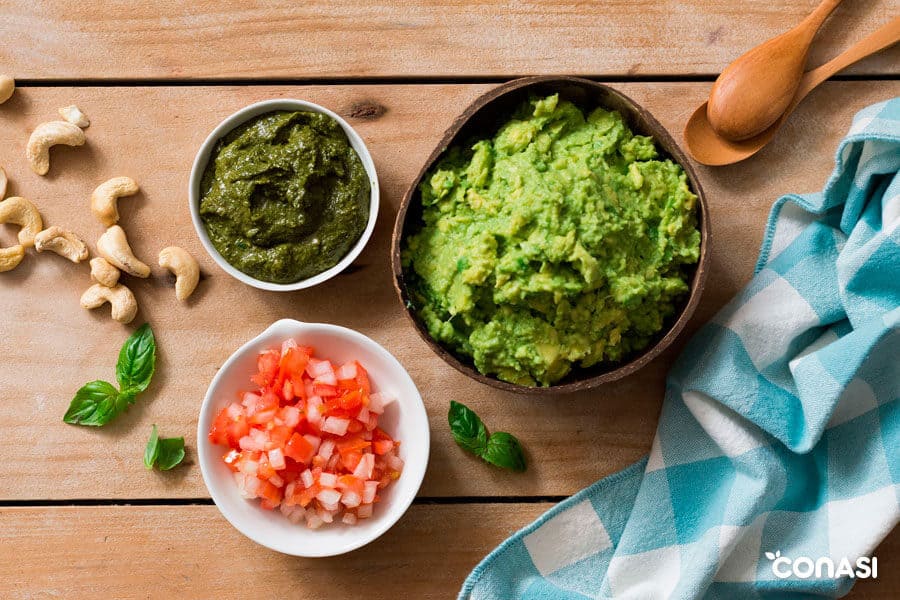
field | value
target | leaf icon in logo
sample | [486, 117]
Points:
[771, 556]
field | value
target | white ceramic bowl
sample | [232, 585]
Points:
[404, 419]
[242, 116]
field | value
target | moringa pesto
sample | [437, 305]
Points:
[561, 241]
[285, 196]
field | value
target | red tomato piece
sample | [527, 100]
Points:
[351, 459]
[325, 391]
[267, 365]
[362, 378]
[299, 449]
[236, 430]
[351, 400]
[353, 444]
[382, 446]
[279, 435]
[218, 432]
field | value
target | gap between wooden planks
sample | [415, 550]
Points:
[192, 552]
[50, 346]
[166, 39]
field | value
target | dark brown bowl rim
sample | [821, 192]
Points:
[663, 138]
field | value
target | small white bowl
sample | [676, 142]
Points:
[242, 116]
[405, 419]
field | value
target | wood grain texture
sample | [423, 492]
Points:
[163, 39]
[192, 552]
[50, 346]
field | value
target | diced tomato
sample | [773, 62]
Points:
[350, 400]
[352, 444]
[308, 437]
[319, 389]
[306, 495]
[280, 435]
[347, 384]
[351, 459]
[264, 416]
[299, 449]
[349, 483]
[236, 430]
[382, 446]
[362, 378]
[267, 365]
[270, 495]
[218, 432]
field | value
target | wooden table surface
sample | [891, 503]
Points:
[79, 515]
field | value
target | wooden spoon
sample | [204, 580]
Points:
[709, 148]
[756, 89]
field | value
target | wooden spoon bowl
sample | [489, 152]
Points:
[483, 117]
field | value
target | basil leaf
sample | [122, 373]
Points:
[171, 453]
[95, 404]
[504, 450]
[137, 361]
[151, 452]
[467, 429]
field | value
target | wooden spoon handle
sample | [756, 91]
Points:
[817, 17]
[883, 37]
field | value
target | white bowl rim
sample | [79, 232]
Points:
[413, 469]
[242, 116]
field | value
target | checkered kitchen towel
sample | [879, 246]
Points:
[780, 431]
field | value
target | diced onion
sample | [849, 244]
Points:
[369, 494]
[336, 425]
[347, 371]
[351, 499]
[364, 468]
[276, 459]
[326, 449]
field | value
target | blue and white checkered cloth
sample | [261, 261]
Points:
[780, 430]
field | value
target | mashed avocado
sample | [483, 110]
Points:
[560, 242]
[285, 196]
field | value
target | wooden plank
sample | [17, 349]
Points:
[192, 552]
[49, 39]
[50, 346]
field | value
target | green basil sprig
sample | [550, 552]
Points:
[499, 448]
[99, 402]
[163, 453]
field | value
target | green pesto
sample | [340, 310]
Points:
[563, 241]
[285, 196]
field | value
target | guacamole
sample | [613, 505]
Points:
[285, 196]
[562, 241]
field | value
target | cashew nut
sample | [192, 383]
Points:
[11, 257]
[73, 115]
[120, 298]
[104, 273]
[50, 134]
[23, 213]
[65, 243]
[104, 200]
[7, 87]
[113, 246]
[184, 267]
[3, 181]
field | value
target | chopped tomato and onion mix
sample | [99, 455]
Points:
[307, 441]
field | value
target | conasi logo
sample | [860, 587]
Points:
[804, 567]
